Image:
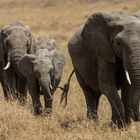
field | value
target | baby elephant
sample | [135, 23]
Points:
[43, 71]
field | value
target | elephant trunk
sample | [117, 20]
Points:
[15, 57]
[134, 68]
[46, 89]
[134, 93]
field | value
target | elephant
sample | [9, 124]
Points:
[43, 71]
[15, 41]
[103, 51]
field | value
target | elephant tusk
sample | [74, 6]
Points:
[7, 66]
[128, 77]
[51, 87]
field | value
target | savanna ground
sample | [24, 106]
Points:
[58, 19]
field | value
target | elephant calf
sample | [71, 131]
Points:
[43, 71]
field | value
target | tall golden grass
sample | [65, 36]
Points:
[58, 20]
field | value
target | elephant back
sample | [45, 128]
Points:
[44, 43]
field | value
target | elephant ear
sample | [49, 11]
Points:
[95, 35]
[1, 49]
[5, 32]
[25, 65]
[58, 61]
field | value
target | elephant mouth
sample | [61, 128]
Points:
[15, 57]
[41, 91]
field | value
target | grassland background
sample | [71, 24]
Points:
[58, 19]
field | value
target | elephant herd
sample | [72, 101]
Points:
[105, 53]
[29, 63]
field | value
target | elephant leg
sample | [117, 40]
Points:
[12, 84]
[92, 98]
[125, 98]
[9, 83]
[22, 90]
[33, 90]
[5, 88]
[106, 77]
[92, 101]
[48, 104]
[134, 104]
[2, 80]
[118, 113]
[48, 101]
[4, 83]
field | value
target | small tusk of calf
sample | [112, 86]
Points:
[51, 87]
[7, 66]
[128, 77]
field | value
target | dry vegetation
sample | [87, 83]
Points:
[58, 19]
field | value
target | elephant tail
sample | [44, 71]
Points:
[65, 89]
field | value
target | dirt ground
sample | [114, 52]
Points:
[58, 19]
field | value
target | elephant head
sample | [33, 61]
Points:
[112, 36]
[16, 40]
[46, 67]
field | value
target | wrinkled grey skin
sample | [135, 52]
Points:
[15, 41]
[101, 51]
[43, 71]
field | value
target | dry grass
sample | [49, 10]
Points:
[58, 19]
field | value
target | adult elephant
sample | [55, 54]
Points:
[101, 51]
[43, 71]
[15, 41]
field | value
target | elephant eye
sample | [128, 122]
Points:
[28, 43]
[118, 43]
[37, 73]
[7, 33]
[51, 72]
[28, 46]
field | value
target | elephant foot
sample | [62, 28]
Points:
[92, 115]
[127, 117]
[128, 120]
[47, 112]
[22, 98]
[48, 107]
[7, 98]
[23, 101]
[115, 126]
[38, 110]
[120, 123]
[135, 116]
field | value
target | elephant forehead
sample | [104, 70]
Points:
[43, 61]
[42, 52]
[18, 34]
[18, 38]
[130, 22]
[16, 28]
